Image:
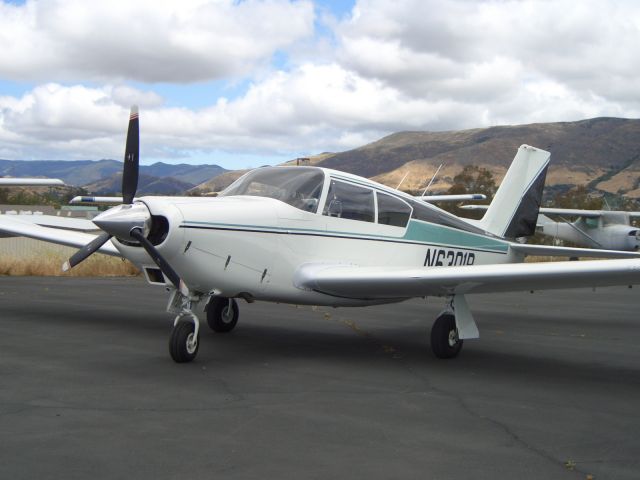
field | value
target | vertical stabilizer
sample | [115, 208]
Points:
[514, 210]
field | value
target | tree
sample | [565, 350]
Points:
[472, 179]
[578, 197]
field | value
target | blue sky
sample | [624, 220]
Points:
[253, 82]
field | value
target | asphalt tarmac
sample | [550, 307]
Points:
[551, 390]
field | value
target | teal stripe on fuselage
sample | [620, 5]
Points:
[417, 231]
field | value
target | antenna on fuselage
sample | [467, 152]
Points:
[403, 179]
[432, 180]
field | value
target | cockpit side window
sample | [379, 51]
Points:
[348, 201]
[392, 211]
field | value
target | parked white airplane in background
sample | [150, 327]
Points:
[44, 220]
[30, 182]
[77, 224]
[308, 235]
[601, 229]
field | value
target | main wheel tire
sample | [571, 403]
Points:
[444, 337]
[220, 317]
[181, 345]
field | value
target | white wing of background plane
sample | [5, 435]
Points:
[452, 198]
[349, 281]
[551, 251]
[565, 211]
[30, 182]
[97, 200]
[584, 213]
[70, 238]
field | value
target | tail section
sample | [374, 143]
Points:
[514, 210]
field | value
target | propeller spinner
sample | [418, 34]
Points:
[127, 221]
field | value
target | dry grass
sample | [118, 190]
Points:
[49, 264]
[564, 258]
[540, 258]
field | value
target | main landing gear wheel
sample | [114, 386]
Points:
[183, 344]
[444, 337]
[222, 314]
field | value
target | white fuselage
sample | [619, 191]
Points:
[251, 247]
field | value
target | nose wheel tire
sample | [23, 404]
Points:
[183, 344]
[222, 314]
[444, 337]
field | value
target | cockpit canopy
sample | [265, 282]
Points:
[300, 187]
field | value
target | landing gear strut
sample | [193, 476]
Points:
[222, 314]
[445, 341]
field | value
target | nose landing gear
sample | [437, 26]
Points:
[222, 317]
[185, 336]
[184, 341]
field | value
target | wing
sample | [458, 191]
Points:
[565, 211]
[348, 281]
[453, 198]
[65, 223]
[572, 212]
[70, 238]
[30, 182]
[576, 212]
[547, 250]
[97, 200]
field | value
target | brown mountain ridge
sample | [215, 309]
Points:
[601, 152]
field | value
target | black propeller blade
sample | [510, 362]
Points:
[85, 251]
[129, 187]
[157, 258]
[126, 220]
[131, 158]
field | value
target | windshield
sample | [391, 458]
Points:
[300, 187]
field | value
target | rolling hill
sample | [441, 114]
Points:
[147, 185]
[104, 176]
[601, 152]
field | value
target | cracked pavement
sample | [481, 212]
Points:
[87, 388]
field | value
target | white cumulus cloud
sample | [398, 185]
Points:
[340, 82]
[145, 40]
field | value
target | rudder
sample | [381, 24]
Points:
[514, 209]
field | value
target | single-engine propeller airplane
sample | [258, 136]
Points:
[601, 229]
[309, 235]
